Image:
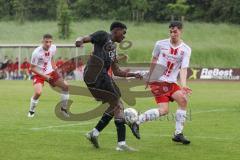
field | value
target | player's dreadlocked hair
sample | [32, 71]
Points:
[117, 25]
[177, 24]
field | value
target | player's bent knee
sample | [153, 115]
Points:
[163, 110]
[65, 88]
[183, 102]
[37, 94]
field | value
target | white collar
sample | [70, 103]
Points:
[176, 46]
[44, 49]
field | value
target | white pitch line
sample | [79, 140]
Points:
[152, 135]
[213, 110]
[198, 137]
[60, 126]
[87, 123]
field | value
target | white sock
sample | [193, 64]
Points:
[64, 99]
[149, 115]
[180, 120]
[95, 132]
[33, 104]
[8, 77]
[122, 143]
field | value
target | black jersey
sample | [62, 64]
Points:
[96, 71]
[104, 54]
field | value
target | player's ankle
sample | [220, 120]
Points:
[122, 143]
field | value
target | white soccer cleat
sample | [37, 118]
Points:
[125, 147]
[93, 139]
[31, 114]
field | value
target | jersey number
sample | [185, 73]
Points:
[169, 68]
[170, 64]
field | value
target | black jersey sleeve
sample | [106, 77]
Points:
[99, 37]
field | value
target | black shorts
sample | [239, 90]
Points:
[104, 88]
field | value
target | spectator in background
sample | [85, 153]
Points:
[5, 60]
[16, 69]
[66, 59]
[70, 67]
[10, 70]
[80, 64]
[78, 72]
[59, 62]
[25, 69]
[5, 67]
[65, 73]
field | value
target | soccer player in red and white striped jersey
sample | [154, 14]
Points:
[171, 57]
[42, 66]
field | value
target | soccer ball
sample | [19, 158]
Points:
[131, 115]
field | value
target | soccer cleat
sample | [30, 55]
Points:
[135, 129]
[180, 138]
[93, 139]
[125, 148]
[64, 112]
[31, 114]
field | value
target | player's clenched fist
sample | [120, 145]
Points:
[79, 42]
[138, 76]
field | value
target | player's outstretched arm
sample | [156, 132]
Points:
[151, 68]
[120, 73]
[183, 77]
[183, 80]
[81, 40]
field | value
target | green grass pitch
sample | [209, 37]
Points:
[213, 128]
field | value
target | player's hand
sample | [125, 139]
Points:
[50, 81]
[187, 90]
[79, 42]
[138, 76]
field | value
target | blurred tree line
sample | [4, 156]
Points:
[133, 10]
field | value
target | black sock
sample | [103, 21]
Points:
[121, 129]
[106, 118]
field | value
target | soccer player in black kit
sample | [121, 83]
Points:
[102, 86]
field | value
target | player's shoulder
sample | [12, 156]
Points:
[186, 47]
[37, 50]
[100, 32]
[162, 42]
[100, 37]
[53, 47]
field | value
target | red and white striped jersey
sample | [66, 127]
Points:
[173, 58]
[42, 58]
